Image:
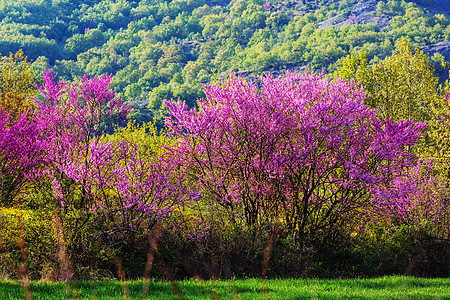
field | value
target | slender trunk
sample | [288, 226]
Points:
[66, 272]
[23, 269]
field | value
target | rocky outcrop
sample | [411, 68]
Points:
[362, 12]
[441, 48]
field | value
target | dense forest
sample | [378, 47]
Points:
[159, 49]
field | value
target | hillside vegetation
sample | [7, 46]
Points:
[159, 49]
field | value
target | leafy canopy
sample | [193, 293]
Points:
[18, 83]
[401, 86]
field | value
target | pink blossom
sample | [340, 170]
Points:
[22, 150]
[277, 147]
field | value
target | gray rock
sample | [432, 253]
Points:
[441, 48]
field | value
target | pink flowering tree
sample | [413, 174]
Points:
[74, 117]
[114, 180]
[22, 146]
[298, 148]
[416, 197]
[101, 188]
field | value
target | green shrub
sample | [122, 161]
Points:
[40, 243]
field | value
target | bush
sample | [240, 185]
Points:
[40, 243]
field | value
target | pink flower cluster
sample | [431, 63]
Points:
[414, 197]
[22, 148]
[63, 141]
[298, 146]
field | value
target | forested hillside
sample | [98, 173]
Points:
[157, 49]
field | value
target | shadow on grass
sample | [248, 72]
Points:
[113, 290]
[391, 283]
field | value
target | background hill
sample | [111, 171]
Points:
[158, 49]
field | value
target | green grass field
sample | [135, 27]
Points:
[393, 287]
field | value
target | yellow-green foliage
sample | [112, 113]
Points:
[18, 82]
[145, 136]
[440, 130]
[404, 86]
[40, 242]
[190, 218]
[401, 86]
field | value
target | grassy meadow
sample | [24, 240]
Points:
[392, 287]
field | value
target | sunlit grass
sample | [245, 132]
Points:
[393, 287]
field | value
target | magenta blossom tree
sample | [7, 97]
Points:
[298, 147]
[416, 197]
[75, 116]
[117, 180]
[22, 145]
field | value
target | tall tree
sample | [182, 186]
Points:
[18, 83]
[401, 86]
[75, 116]
[22, 148]
[440, 131]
